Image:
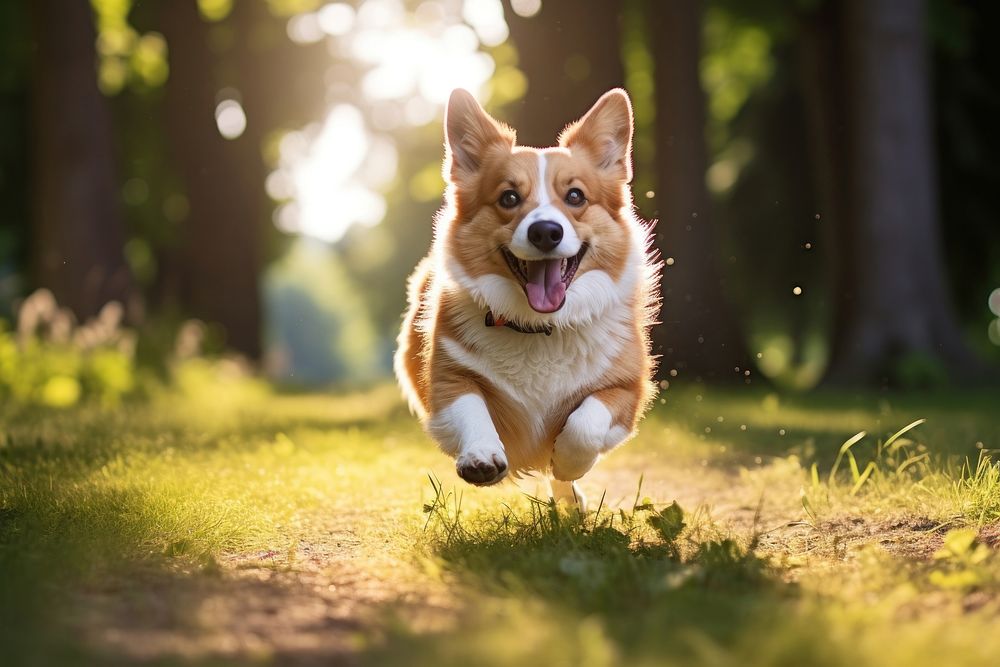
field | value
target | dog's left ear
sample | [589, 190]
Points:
[605, 134]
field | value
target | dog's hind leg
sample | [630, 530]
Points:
[570, 493]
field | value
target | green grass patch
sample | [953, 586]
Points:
[226, 523]
[647, 585]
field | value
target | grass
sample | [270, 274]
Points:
[228, 524]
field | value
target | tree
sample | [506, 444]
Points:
[214, 271]
[699, 335]
[891, 298]
[78, 230]
[572, 54]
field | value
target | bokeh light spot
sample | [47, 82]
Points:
[215, 10]
[526, 8]
[994, 302]
[230, 119]
[305, 29]
[486, 17]
[993, 332]
[336, 18]
[332, 173]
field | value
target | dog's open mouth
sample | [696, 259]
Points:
[545, 281]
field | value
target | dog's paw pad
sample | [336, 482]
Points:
[482, 472]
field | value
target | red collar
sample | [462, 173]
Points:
[492, 321]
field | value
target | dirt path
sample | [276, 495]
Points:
[314, 605]
[321, 602]
[325, 601]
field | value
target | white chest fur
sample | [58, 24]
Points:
[535, 370]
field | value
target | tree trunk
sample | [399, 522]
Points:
[78, 230]
[571, 52]
[215, 269]
[699, 336]
[892, 302]
[820, 50]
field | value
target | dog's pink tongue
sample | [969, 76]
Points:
[545, 289]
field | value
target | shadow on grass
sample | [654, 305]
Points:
[635, 586]
[44, 555]
[111, 577]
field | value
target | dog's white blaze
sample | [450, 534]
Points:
[465, 429]
[522, 247]
[543, 185]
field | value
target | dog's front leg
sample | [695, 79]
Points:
[465, 430]
[601, 422]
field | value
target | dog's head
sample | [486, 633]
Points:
[541, 236]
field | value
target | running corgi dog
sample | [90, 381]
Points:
[525, 346]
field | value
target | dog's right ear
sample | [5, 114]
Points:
[470, 135]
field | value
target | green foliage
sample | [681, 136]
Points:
[737, 61]
[668, 522]
[967, 563]
[214, 10]
[902, 468]
[976, 490]
[49, 361]
[896, 461]
[126, 57]
[637, 62]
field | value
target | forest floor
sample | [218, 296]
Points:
[234, 525]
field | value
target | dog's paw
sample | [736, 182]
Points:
[482, 467]
[569, 493]
[587, 434]
[571, 459]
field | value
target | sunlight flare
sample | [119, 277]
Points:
[331, 176]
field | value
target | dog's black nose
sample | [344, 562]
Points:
[545, 234]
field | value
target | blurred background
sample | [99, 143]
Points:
[254, 179]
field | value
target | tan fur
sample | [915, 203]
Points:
[482, 161]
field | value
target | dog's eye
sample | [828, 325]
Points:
[509, 199]
[575, 197]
